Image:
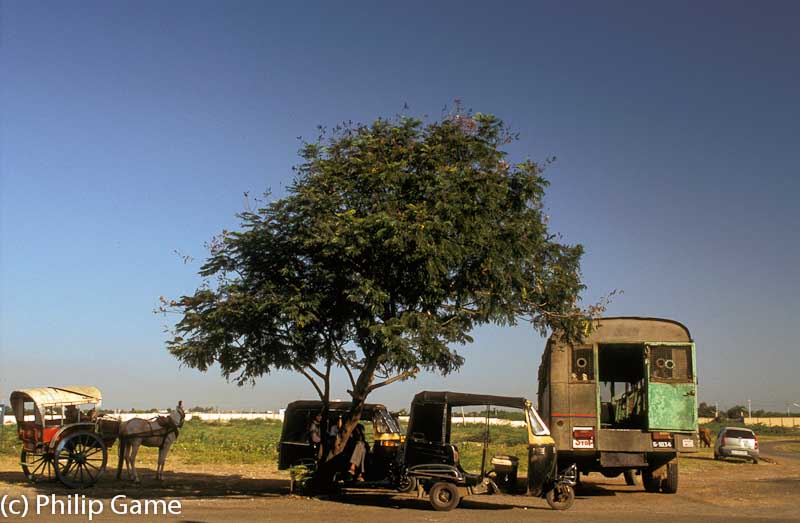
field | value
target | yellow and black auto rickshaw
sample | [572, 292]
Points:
[432, 463]
[296, 449]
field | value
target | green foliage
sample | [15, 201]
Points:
[704, 410]
[395, 240]
[503, 440]
[736, 412]
[236, 441]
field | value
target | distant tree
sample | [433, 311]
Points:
[736, 412]
[203, 409]
[395, 240]
[704, 410]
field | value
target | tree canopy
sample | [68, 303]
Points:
[393, 242]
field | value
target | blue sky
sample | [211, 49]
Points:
[131, 130]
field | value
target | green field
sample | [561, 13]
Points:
[256, 442]
[236, 442]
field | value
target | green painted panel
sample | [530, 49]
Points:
[672, 406]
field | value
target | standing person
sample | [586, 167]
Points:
[315, 433]
[333, 431]
[359, 455]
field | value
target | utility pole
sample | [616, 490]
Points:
[716, 409]
[749, 408]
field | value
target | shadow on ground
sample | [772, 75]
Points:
[176, 484]
[390, 499]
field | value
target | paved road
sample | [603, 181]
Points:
[772, 449]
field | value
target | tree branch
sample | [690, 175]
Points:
[343, 363]
[316, 371]
[311, 379]
[403, 376]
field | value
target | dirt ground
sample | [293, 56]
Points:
[709, 491]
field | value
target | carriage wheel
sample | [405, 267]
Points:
[37, 467]
[80, 459]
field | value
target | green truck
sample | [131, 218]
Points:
[624, 400]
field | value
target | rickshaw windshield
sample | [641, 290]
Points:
[385, 423]
[537, 425]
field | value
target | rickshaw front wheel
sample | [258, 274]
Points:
[444, 496]
[37, 466]
[560, 497]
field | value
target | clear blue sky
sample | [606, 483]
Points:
[130, 130]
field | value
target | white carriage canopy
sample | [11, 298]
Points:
[43, 397]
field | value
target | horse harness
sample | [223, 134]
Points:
[166, 423]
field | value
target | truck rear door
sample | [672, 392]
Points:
[672, 387]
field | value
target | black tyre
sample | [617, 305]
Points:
[37, 467]
[669, 485]
[561, 497]
[444, 496]
[650, 483]
[407, 484]
[630, 477]
[80, 459]
[755, 461]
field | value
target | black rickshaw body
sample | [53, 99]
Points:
[295, 447]
[430, 457]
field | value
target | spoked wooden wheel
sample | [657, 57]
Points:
[37, 466]
[80, 459]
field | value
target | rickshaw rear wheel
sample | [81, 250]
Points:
[444, 496]
[560, 497]
[407, 484]
[37, 467]
[80, 459]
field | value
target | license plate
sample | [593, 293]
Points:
[739, 452]
[688, 443]
[662, 444]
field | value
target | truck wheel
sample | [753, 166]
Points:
[561, 497]
[444, 496]
[630, 477]
[669, 485]
[650, 483]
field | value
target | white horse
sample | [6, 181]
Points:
[160, 432]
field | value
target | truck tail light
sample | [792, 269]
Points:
[662, 436]
[583, 433]
[756, 440]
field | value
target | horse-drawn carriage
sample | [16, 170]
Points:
[62, 435]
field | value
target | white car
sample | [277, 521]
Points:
[736, 442]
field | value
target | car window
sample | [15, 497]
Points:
[739, 433]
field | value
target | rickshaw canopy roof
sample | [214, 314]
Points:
[305, 405]
[461, 399]
[49, 396]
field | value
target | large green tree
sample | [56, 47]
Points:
[394, 241]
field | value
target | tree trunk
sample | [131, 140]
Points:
[326, 466]
[359, 395]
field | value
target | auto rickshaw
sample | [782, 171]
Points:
[296, 449]
[431, 461]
